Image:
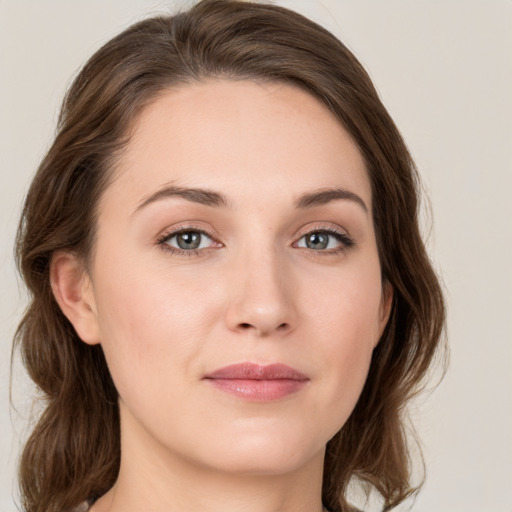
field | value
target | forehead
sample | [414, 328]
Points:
[244, 138]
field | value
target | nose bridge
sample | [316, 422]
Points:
[262, 298]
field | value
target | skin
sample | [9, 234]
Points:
[254, 291]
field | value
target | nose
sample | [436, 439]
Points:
[262, 297]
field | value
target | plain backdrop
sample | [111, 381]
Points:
[444, 71]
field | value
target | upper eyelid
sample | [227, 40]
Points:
[324, 228]
[342, 236]
[301, 232]
[163, 239]
[170, 233]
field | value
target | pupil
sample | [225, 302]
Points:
[317, 241]
[189, 240]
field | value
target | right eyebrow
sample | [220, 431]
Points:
[195, 195]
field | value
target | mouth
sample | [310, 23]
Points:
[258, 383]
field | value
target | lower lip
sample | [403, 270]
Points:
[259, 390]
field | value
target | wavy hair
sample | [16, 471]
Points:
[73, 452]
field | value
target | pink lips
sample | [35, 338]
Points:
[258, 383]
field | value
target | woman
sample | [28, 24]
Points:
[231, 301]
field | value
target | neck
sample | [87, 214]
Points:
[155, 480]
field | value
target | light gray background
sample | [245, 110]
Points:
[443, 69]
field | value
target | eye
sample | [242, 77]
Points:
[325, 240]
[187, 241]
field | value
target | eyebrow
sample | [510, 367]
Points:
[327, 195]
[194, 195]
[217, 199]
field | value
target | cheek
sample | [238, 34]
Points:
[346, 317]
[348, 305]
[152, 325]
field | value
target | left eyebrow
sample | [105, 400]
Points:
[325, 196]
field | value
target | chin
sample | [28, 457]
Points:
[270, 463]
[266, 452]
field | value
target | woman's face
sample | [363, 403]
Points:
[237, 231]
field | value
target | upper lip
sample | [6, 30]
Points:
[254, 371]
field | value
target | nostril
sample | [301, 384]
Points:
[263, 328]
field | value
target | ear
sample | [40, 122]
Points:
[385, 306]
[73, 291]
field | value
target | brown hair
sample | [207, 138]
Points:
[73, 452]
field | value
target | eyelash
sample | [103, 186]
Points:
[346, 242]
[162, 241]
